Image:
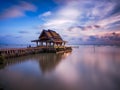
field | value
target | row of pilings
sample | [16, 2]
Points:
[16, 52]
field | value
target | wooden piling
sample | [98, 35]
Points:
[16, 52]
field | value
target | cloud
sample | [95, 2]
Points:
[110, 20]
[84, 28]
[17, 10]
[38, 33]
[9, 38]
[107, 38]
[27, 6]
[75, 13]
[64, 17]
[65, 35]
[46, 14]
[18, 36]
[23, 32]
[92, 27]
[111, 36]
[93, 38]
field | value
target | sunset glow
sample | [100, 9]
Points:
[77, 21]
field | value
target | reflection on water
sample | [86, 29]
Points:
[86, 68]
[49, 61]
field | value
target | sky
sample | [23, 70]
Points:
[77, 21]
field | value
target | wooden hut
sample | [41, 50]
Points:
[49, 38]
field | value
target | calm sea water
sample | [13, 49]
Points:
[15, 45]
[85, 68]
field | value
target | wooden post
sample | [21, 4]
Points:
[63, 43]
[53, 44]
[37, 43]
[41, 43]
[46, 44]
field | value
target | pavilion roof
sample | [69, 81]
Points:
[49, 36]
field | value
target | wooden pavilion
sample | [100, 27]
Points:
[49, 38]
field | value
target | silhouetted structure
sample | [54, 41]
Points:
[50, 38]
[53, 44]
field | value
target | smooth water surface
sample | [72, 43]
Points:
[85, 68]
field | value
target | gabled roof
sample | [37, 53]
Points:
[49, 35]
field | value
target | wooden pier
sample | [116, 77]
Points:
[16, 52]
[49, 41]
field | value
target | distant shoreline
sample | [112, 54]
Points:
[33, 45]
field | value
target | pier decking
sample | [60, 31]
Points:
[15, 52]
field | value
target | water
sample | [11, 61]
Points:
[85, 68]
[15, 45]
